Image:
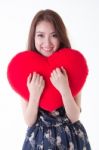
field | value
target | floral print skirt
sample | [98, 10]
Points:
[54, 131]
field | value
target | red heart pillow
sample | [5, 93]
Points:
[27, 62]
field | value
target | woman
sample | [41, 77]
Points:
[60, 129]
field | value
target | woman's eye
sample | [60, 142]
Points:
[54, 35]
[40, 35]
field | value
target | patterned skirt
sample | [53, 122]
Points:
[54, 131]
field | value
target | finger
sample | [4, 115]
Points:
[34, 76]
[51, 79]
[63, 70]
[38, 77]
[41, 79]
[54, 74]
[43, 82]
[58, 70]
[37, 80]
[29, 78]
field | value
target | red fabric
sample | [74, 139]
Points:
[27, 62]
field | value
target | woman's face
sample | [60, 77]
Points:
[46, 39]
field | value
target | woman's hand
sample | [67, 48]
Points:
[59, 79]
[35, 84]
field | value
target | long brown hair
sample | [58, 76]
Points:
[52, 17]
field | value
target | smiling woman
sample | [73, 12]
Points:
[46, 39]
[61, 127]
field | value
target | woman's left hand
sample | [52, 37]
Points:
[59, 79]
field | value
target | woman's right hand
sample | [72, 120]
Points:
[35, 84]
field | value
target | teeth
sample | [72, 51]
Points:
[47, 49]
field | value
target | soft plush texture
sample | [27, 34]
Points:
[26, 62]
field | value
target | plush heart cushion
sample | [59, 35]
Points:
[26, 62]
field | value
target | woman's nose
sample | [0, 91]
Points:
[47, 42]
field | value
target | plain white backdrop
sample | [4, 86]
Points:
[81, 18]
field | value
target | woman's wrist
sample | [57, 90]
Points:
[66, 91]
[34, 99]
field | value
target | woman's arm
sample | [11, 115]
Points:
[30, 111]
[59, 79]
[35, 84]
[72, 105]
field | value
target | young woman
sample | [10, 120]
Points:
[60, 129]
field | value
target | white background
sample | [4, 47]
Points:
[82, 21]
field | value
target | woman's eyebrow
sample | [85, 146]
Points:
[44, 32]
[39, 32]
